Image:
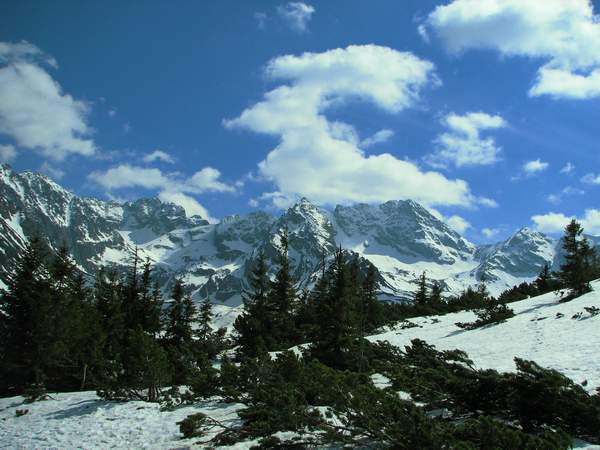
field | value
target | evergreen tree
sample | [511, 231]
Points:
[179, 333]
[337, 330]
[435, 297]
[146, 367]
[210, 342]
[254, 326]
[149, 301]
[576, 270]
[111, 321]
[544, 280]
[282, 295]
[372, 311]
[421, 294]
[22, 309]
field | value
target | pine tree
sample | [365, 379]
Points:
[111, 321]
[545, 282]
[179, 333]
[338, 329]
[421, 293]
[210, 342]
[22, 308]
[435, 296]
[281, 299]
[146, 367]
[254, 324]
[371, 307]
[575, 271]
[149, 301]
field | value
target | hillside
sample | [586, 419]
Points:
[562, 336]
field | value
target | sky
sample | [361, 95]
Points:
[484, 111]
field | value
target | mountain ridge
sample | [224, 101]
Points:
[400, 238]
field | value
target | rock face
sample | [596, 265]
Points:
[401, 238]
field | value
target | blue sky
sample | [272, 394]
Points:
[486, 112]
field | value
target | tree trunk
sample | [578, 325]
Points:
[83, 377]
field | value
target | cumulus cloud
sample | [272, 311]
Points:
[462, 145]
[567, 191]
[490, 232]
[563, 34]
[23, 51]
[34, 110]
[378, 138]
[128, 176]
[190, 204]
[591, 178]
[7, 153]
[321, 159]
[458, 224]
[568, 168]
[296, 14]
[534, 166]
[159, 155]
[53, 172]
[556, 222]
[171, 186]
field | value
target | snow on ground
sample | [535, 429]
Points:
[535, 333]
[82, 420]
[543, 330]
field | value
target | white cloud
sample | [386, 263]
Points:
[591, 178]
[112, 112]
[563, 34]
[127, 176]
[158, 155]
[320, 159]
[378, 138]
[191, 205]
[261, 19]
[23, 51]
[462, 145]
[534, 166]
[296, 14]
[490, 232]
[569, 190]
[568, 168]
[556, 222]
[487, 202]
[458, 224]
[7, 153]
[207, 180]
[53, 172]
[171, 186]
[34, 111]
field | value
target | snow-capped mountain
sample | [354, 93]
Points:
[401, 238]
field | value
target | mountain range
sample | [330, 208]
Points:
[400, 238]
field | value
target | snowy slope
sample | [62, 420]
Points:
[81, 420]
[538, 332]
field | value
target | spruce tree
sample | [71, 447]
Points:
[281, 299]
[337, 330]
[435, 296]
[179, 333]
[254, 324]
[111, 320]
[575, 271]
[371, 307]
[22, 308]
[421, 293]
